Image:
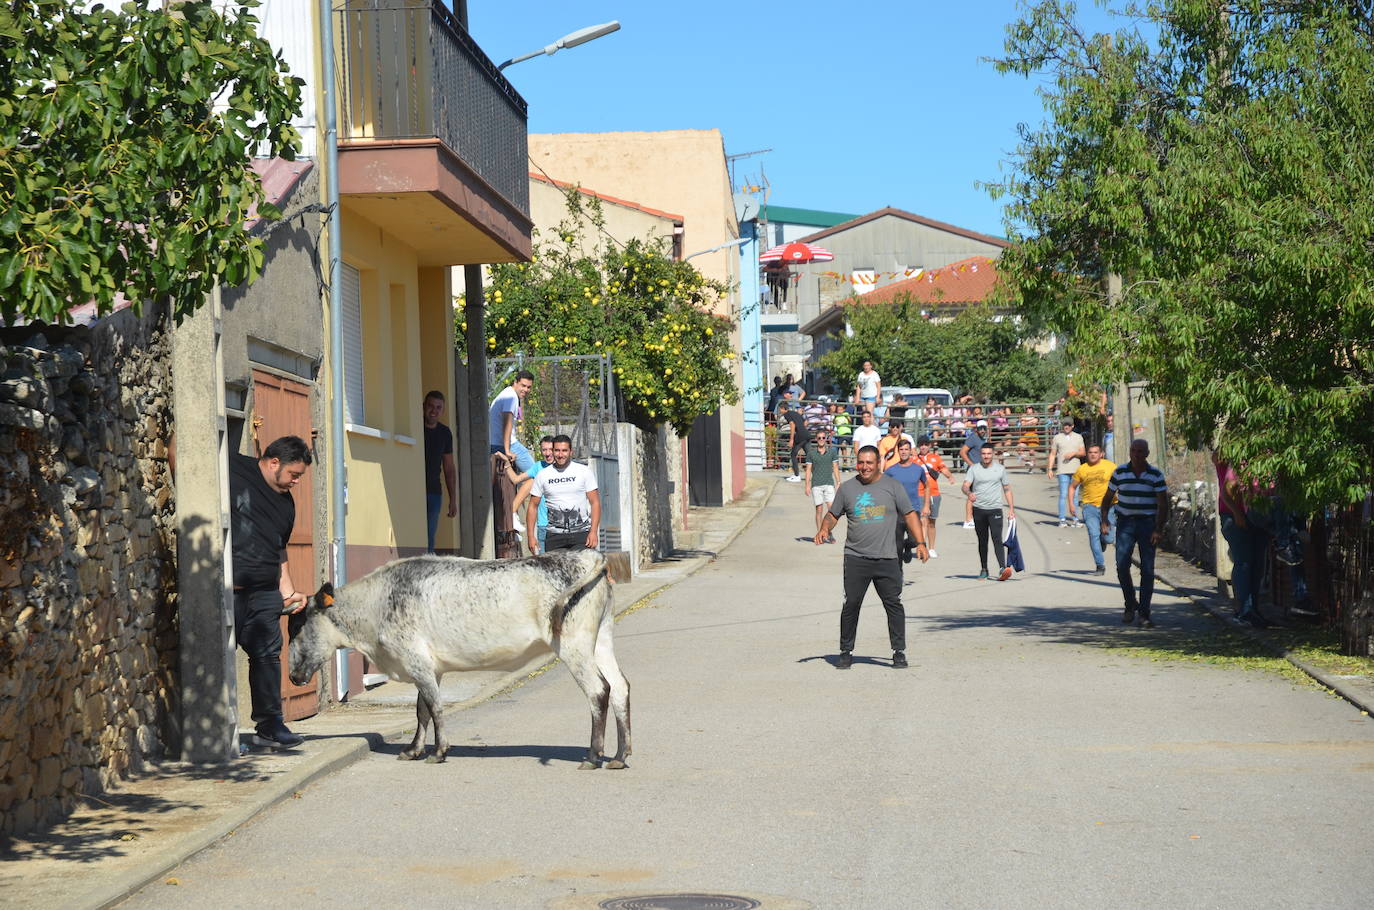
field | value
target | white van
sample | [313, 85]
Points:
[917, 397]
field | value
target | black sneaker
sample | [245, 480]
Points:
[1100, 570]
[899, 660]
[845, 662]
[906, 552]
[1127, 616]
[273, 733]
[983, 575]
[1146, 622]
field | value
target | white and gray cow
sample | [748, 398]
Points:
[418, 618]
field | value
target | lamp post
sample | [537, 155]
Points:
[581, 36]
[715, 249]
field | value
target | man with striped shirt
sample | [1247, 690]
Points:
[1142, 506]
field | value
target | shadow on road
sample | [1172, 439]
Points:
[545, 754]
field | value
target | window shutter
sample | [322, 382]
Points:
[352, 300]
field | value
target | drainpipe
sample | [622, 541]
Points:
[337, 481]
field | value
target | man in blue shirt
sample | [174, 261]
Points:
[1142, 507]
[910, 474]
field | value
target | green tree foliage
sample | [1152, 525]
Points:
[976, 351]
[117, 173]
[1221, 161]
[649, 312]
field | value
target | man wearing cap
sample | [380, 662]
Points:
[974, 440]
[887, 445]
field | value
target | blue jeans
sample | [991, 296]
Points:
[1092, 518]
[1064, 481]
[1134, 531]
[524, 461]
[434, 504]
[1249, 546]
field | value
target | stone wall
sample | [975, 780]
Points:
[87, 627]
[654, 473]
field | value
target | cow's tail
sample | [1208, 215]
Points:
[584, 586]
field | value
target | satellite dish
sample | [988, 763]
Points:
[746, 207]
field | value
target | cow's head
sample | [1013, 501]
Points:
[310, 638]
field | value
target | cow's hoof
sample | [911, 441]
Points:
[438, 758]
[588, 766]
[616, 765]
[409, 756]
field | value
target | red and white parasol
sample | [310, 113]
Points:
[798, 253]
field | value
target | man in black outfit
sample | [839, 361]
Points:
[438, 463]
[262, 516]
[797, 442]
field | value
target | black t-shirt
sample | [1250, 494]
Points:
[261, 519]
[795, 418]
[438, 443]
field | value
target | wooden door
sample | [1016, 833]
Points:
[283, 405]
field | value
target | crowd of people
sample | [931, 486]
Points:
[892, 503]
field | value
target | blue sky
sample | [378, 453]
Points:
[864, 104]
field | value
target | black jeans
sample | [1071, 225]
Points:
[574, 541]
[798, 454]
[886, 577]
[257, 624]
[985, 522]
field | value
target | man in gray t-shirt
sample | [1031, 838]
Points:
[987, 487]
[873, 504]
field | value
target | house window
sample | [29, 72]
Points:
[351, 299]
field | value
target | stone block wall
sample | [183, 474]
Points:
[87, 572]
[654, 471]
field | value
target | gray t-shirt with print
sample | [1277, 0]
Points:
[986, 485]
[874, 510]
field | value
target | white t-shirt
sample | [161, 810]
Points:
[867, 436]
[868, 384]
[565, 494]
[506, 403]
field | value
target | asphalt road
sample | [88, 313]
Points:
[1019, 762]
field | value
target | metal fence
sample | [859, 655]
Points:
[1020, 431]
[573, 395]
[408, 70]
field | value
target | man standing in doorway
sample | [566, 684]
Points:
[820, 477]
[1142, 506]
[438, 461]
[503, 425]
[868, 387]
[1093, 478]
[987, 487]
[573, 499]
[874, 504]
[1066, 448]
[262, 515]
[928, 458]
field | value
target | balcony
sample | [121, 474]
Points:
[433, 141]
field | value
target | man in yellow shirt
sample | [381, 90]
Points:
[1092, 477]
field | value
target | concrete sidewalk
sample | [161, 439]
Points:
[121, 841]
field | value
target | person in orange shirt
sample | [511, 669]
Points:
[887, 445]
[929, 507]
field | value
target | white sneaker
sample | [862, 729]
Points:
[794, 479]
[968, 524]
[519, 525]
[934, 555]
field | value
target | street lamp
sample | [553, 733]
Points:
[738, 242]
[581, 36]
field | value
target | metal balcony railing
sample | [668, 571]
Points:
[409, 70]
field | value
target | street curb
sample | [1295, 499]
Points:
[1358, 699]
[114, 890]
[336, 758]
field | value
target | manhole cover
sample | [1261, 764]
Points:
[680, 902]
